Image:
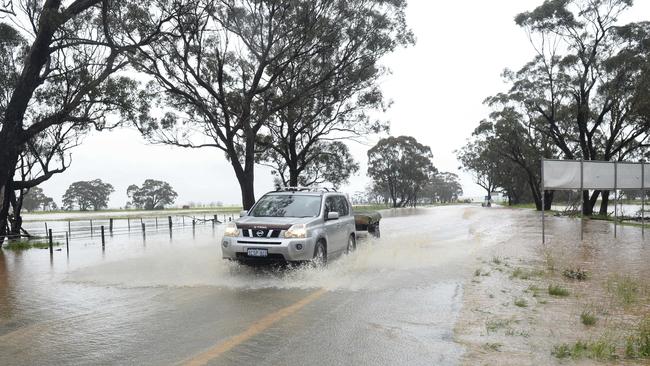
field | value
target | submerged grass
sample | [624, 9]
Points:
[557, 290]
[637, 345]
[588, 318]
[522, 303]
[625, 288]
[26, 244]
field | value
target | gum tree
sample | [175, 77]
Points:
[59, 68]
[219, 75]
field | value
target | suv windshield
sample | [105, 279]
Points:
[289, 205]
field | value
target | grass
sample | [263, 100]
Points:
[625, 288]
[601, 350]
[588, 318]
[494, 325]
[26, 244]
[522, 303]
[637, 345]
[496, 260]
[496, 347]
[575, 274]
[526, 274]
[557, 290]
[549, 259]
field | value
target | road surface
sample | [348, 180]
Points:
[174, 301]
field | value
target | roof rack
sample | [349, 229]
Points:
[304, 189]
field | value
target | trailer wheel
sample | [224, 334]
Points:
[374, 230]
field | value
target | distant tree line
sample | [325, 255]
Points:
[584, 95]
[404, 175]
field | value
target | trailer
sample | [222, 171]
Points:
[368, 221]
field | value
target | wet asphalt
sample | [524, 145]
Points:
[174, 301]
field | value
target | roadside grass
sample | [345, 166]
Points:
[521, 302]
[26, 244]
[496, 347]
[575, 274]
[588, 318]
[601, 350]
[494, 325]
[532, 289]
[625, 288]
[557, 290]
[496, 260]
[549, 259]
[481, 272]
[524, 274]
[637, 345]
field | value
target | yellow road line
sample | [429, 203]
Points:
[256, 328]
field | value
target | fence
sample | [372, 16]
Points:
[67, 231]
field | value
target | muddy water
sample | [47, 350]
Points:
[164, 300]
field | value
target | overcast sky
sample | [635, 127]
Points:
[437, 88]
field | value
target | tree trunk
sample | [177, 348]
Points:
[293, 177]
[604, 203]
[589, 202]
[8, 160]
[548, 200]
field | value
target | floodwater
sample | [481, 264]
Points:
[172, 299]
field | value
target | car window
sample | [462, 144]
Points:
[293, 205]
[342, 206]
[330, 205]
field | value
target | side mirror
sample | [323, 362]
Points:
[243, 213]
[333, 216]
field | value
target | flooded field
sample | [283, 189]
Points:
[170, 300]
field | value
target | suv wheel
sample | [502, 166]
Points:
[352, 244]
[320, 254]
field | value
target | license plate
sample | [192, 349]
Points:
[258, 253]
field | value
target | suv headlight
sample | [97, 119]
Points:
[298, 231]
[231, 229]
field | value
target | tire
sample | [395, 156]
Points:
[320, 254]
[352, 244]
[374, 230]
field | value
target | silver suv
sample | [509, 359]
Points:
[293, 225]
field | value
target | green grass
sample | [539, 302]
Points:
[497, 260]
[494, 325]
[637, 345]
[588, 318]
[601, 350]
[522, 303]
[524, 274]
[26, 244]
[557, 290]
[625, 288]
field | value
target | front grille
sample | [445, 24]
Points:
[259, 242]
[272, 257]
[261, 233]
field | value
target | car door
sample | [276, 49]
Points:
[347, 218]
[333, 228]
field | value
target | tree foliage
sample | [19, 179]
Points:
[227, 69]
[402, 167]
[154, 194]
[60, 72]
[85, 195]
[582, 96]
[35, 199]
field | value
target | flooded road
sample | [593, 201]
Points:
[174, 301]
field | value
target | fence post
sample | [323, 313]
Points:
[183, 217]
[156, 222]
[69, 231]
[110, 225]
[128, 223]
[143, 231]
[91, 227]
[214, 222]
[46, 231]
[103, 240]
[51, 241]
[67, 243]
[169, 219]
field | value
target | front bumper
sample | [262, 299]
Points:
[279, 249]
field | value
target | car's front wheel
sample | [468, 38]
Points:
[320, 254]
[352, 244]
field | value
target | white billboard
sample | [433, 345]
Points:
[574, 174]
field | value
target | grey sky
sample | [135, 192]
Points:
[437, 88]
